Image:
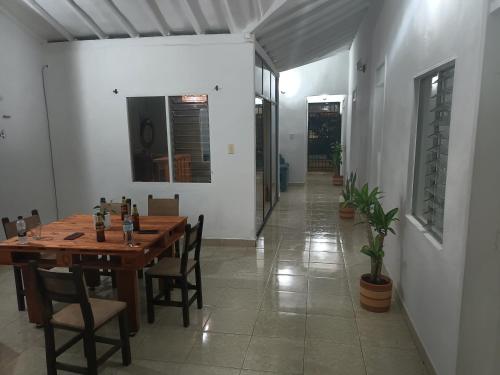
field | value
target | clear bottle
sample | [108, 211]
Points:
[21, 230]
[128, 230]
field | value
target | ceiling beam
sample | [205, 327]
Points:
[156, 15]
[300, 12]
[120, 17]
[21, 24]
[92, 25]
[192, 18]
[258, 6]
[311, 24]
[325, 32]
[228, 17]
[277, 4]
[51, 20]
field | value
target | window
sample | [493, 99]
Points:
[190, 137]
[431, 157]
[148, 138]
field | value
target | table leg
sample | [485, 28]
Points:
[34, 305]
[92, 276]
[128, 291]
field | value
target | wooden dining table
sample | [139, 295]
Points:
[52, 249]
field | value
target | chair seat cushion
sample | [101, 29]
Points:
[103, 310]
[170, 267]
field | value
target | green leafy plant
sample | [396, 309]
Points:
[336, 157]
[364, 199]
[375, 250]
[348, 192]
[367, 202]
[381, 221]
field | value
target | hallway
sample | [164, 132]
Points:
[288, 306]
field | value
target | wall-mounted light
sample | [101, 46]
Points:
[361, 67]
[194, 98]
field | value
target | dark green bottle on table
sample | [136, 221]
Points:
[135, 218]
[123, 208]
[99, 228]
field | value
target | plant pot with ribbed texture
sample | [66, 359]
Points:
[338, 180]
[346, 212]
[375, 297]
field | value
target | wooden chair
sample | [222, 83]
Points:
[173, 272]
[83, 315]
[163, 206]
[113, 208]
[10, 230]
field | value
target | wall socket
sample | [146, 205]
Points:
[230, 148]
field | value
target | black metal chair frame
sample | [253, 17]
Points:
[87, 334]
[192, 241]
[18, 276]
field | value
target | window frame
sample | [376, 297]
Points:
[436, 237]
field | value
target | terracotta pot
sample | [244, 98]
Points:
[346, 212]
[338, 180]
[375, 297]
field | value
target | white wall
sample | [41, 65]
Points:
[25, 170]
[412, 37]
[91, 144]
[479, 347]
[327, 76]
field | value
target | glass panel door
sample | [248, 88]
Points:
[259, 163]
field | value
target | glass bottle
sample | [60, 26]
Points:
[128, 230]
[99, 228]
[123, 208]
[135, 218]
[21, 230]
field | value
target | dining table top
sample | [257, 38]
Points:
[53, 234]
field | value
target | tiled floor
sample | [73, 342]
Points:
[288, 306]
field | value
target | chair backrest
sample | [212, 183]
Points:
[163, 206]
[112, 208]
[10, 228]
[192, 241]
[65, 287]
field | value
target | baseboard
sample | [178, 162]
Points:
[228, 242]
[418, 342]
[431, 370]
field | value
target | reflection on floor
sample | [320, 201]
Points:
[288, 306]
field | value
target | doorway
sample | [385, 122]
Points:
[324, 128]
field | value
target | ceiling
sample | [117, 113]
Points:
[292, 32]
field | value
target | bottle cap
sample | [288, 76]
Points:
[19, 217]
[135, 205]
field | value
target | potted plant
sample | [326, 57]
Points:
[337, 179]
[347, 206]
[375, 288]
[364, 200]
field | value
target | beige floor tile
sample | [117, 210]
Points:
[328, 286]
[163, 344]
[384, 361]
[280, 324]
[142, 367]
[319, 304]
[288, 283]
[275, 354]
[326, 257]
[232, 321]
[291, 268]
[188, 369]
[285, 302]
[332, 328]
[336, 271]
[328, 358]
[217, 349]
[325, 246]
[295, 256]
[241, 299]
[389, 334]
[252, 372]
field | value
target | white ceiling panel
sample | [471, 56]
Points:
[291, 32]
